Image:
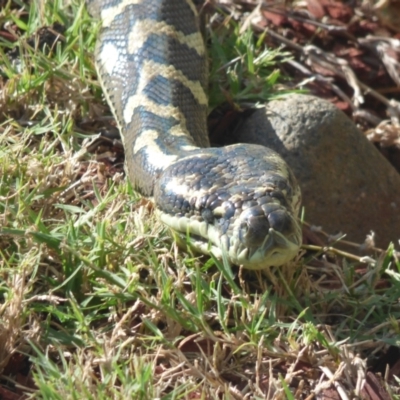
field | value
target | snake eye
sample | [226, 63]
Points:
[258, 230]
[254, 230]
[207, 215]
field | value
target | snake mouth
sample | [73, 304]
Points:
[265, 237]
[277, 249]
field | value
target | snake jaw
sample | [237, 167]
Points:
[260, 245]
[268, 234]
[263, 258]
[254, 245]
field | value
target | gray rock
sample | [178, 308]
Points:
[347, 185]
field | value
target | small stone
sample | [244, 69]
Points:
[347, 185]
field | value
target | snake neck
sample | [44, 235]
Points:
[153, 69]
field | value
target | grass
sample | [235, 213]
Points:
[97, 302]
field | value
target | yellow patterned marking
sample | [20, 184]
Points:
[108, 14]
[158, 109]
[188, 147]
[181, 130]
[141, 30]
[108, 57]
[151, 69]
[147, 140]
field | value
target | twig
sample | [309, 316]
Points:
[327, 249]
[322, 79]
[345, 242]
[333, 378]
[394, 106]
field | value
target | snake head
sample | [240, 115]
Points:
[242, 206]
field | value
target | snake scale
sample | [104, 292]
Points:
[240, 201]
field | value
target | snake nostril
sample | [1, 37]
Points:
[279, 220]
[243, 230]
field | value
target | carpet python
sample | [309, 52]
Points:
[239, 201]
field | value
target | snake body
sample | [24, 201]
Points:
[239, 200]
